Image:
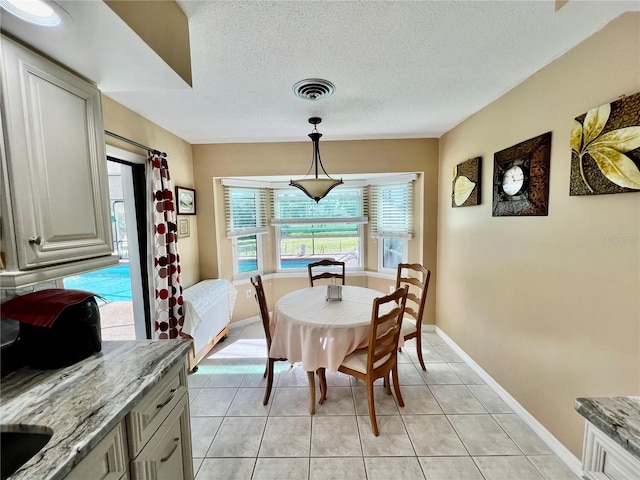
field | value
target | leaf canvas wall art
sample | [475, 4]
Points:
[466, 183]
[605, 149]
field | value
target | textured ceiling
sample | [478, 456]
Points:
[401, 69]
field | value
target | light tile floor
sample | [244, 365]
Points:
[453, 426]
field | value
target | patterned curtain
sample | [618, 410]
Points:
[169, 313]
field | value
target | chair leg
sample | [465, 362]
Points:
[323, 385]
[266, 369]
[419, 347]
[372, 408]
[269, 372]
[396, 386]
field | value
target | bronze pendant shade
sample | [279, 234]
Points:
[316, 187]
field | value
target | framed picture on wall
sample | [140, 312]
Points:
[605, 149]
[521, 178]
[185, 201]
[466, 183]
[183, 227]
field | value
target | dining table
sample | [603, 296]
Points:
[309, 328]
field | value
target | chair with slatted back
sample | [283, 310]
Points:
[264, 314]
[380, 358]
[337, 272]
[416, 278]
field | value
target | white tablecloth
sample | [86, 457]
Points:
[307, 328]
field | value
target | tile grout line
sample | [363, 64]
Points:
[353, 386]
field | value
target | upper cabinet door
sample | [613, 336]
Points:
[56, 161]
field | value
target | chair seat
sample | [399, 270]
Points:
[408, 327]
[358, 361]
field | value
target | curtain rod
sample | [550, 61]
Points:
[135, 144]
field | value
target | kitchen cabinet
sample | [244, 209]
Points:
[159, 431]
[604, 459]
[153, 442]
[146, 417]
[167, 455]
[55, 208]
[138, 388]
[107, 461]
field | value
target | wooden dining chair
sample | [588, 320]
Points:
[336, 273]
[380, 358]
[416, 278]
[264, 314]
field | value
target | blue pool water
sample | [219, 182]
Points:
[113, 283]
[247, 265]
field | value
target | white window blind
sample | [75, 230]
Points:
[342, 205]
[391, 210]
[246, 211]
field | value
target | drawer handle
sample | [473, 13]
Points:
[176, 442]
[35, 241]
[173, 392]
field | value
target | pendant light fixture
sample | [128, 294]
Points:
[316, 187]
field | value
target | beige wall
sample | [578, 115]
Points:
[163, 26]
[548, 306]
[293, 159]
[128, 124]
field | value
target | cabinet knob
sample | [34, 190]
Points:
[35, 240]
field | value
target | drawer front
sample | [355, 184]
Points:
[167, 456]
[146, 417]
[604, 459]
[107, 461]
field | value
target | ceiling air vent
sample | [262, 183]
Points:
[313, 89]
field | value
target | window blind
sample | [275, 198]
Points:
[246, 211]
[342, 205]
[391, 210]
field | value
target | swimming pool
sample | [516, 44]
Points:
[113, 283]
[247, 265]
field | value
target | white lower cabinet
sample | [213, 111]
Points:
[107, 461]
[145, 418]
[604, 459]
[153, 442]
[167, 456]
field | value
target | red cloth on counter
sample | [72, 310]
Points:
[43, 307]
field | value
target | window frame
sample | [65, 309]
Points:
[237, 232]
[357, 217]
[278, 238]
[385, 225]
[405, 254]
[237, 275]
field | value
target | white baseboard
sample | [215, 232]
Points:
[554, 444]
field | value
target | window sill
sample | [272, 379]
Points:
[301, 274]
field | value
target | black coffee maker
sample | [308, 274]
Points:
[63, 339]
[74, 336]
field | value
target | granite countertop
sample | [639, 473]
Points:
[83, 402]
[618, 417]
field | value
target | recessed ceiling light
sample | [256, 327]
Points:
[38, 12]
